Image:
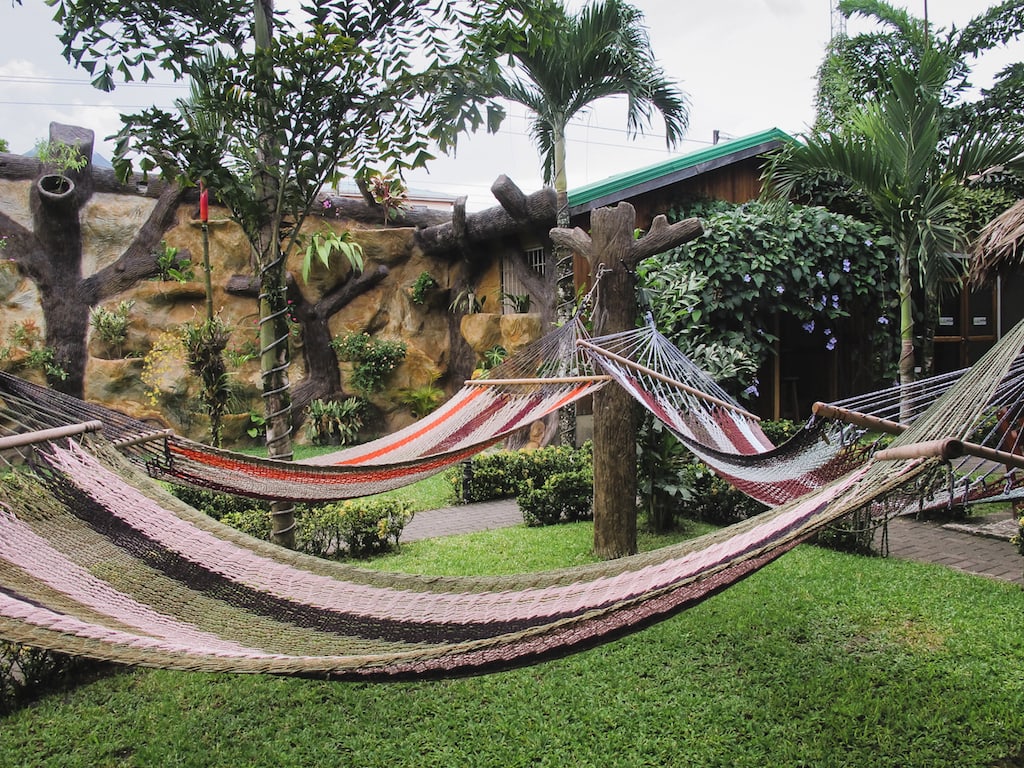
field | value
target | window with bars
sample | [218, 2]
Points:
[511, 285]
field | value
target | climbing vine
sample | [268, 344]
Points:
[757, 260]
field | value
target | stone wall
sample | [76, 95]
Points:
[115, 377]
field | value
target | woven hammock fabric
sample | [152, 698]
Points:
[92, 565]
[546, 375]
[716, 428]
[97, 560]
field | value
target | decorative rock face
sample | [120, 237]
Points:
[114, 376]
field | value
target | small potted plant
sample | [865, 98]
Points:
[59, 158]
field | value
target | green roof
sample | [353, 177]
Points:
[625, 185]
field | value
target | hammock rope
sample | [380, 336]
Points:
[96, 559]
[546, 375]
[716, 429]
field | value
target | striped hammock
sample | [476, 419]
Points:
[728, 438]
[96, 559]
[546, 375]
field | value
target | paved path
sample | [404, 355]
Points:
[980, 547]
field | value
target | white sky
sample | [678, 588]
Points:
[747, 65]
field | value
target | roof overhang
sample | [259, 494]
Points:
[629, 185]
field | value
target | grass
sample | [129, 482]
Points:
[820, 659]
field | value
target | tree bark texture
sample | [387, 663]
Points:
[50, 254]
[613, 254]
[525, 213]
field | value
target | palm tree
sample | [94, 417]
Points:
[894, 153]
[568, 63]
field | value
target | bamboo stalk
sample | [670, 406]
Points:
[552, 380]
[667, 379]
[55, 433]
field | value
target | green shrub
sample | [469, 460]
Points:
[26, 673]
[334, 422]
[358, 527]
[251, 520]
[424, 283]
[501, 474]
[373, 359]
[111, 325]
[217, 505]
[564, 497]
[714, 500]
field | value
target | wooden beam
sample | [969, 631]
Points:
[55, 433]
[873, 423]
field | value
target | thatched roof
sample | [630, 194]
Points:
[1000, 246]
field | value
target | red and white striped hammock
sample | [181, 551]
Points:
[546, 375]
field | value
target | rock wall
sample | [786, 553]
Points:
[116, 377]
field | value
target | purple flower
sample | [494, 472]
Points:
[831, 343]
[809, 326]
[869, 242]
[846, 265]
[746, 278]
[883, 320]
[780, 290]
[751, 391]
[835, 301]
[820, 275]
[327, 203]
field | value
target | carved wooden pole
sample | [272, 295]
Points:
[613, 254]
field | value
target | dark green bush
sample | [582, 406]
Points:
[502, 474]
[26, 673]
[564, 497]
[215, 504]
[253, 521]
[358, 527]
[714, 500]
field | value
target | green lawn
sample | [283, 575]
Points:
[821, 659]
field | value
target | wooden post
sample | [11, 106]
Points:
[613, 253]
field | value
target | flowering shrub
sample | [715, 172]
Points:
[758, 260]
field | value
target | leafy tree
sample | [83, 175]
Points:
[280, 109]
[894, 153]
[566, 62]
[856, 68]
[4, 146]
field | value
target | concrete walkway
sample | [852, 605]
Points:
[981, 546]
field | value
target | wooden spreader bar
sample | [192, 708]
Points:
[551, 380]
[873, 423]
[147, 437]
[950, 448]
[667, 379]
[55, 433]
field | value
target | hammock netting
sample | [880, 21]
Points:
[97, 559]
[728, 438]
[543, 377]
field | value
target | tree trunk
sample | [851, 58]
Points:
[615, 422]
[906, 363]
[613, 253]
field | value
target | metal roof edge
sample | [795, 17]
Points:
[623, 185]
